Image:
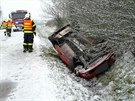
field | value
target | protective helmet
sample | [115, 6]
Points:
[9, 19]
[27, 16]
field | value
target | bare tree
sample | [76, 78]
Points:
[57, 12]
[113, 20]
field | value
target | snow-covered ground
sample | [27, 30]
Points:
[23, 76]
[37, 76]
[31, 77]
[117, 84]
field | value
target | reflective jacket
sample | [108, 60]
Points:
[9, 24]
[29, 26]
[4, 24]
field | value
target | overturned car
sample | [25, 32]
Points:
[86, 56]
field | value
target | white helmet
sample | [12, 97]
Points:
[27, 16]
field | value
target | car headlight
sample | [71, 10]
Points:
[16, 22]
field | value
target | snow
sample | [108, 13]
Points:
[116, 84]
[120, 78]
[37, 76]
[23, 76]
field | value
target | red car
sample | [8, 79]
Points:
[85, 56]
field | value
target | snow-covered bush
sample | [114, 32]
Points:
[120, 80]
[112, 19]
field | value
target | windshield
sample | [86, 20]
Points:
[18, 15]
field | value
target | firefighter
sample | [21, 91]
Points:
[29, 28]
[9, 27]
[4, 24]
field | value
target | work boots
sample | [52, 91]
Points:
[25, 47]
[5, 33]
[24, 50]
[28, 48]
[9, 34]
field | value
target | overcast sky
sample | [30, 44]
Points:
[33, 6]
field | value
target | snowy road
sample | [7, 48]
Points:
[23, 76]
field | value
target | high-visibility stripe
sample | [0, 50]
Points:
[27, 28]
[25, 43]
[27, 23]
[9, 26]
[28, 31]
[30, 44]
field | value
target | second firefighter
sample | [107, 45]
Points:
[9, 27]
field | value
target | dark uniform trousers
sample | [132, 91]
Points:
[8, 28]
[8, 32]
[28, 41]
